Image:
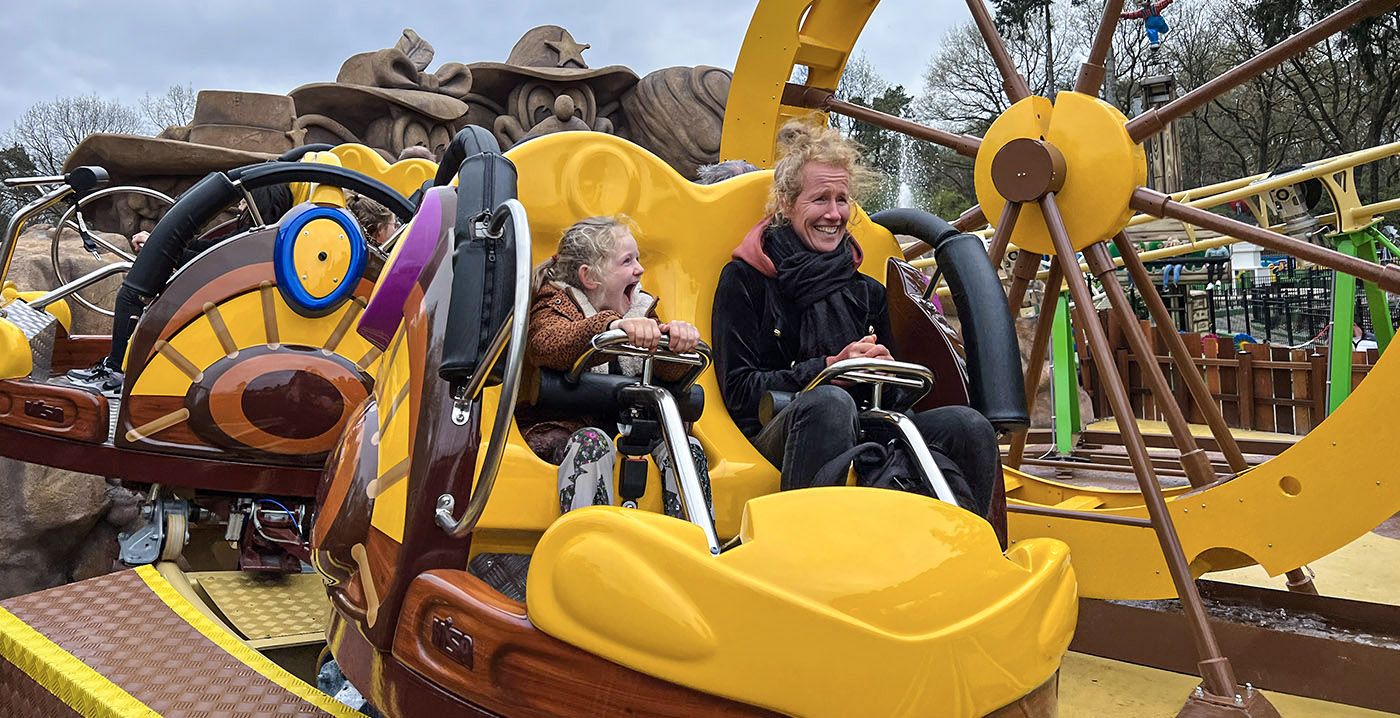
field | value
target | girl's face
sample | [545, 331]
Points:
[614, 284]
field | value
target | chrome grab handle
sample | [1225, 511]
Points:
[510, 380]
[613, 342]
[687, 479]
[880, 372]
[877, 372]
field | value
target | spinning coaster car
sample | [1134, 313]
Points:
[243, 368]
[821, 602]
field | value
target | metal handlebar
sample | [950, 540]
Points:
[898, 373]
[79, 180]
[880, 372]
[32, 181]
[614, 342]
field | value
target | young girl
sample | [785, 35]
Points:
[591, 285]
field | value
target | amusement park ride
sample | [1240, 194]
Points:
[330, 403]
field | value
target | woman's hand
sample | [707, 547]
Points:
[642, 332]
[864, 348]
[138, 240]
[683, 335]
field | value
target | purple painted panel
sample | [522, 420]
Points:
[384, 313]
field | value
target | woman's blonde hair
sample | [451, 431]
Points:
[809, 139]
[371, 215]
[586, 242]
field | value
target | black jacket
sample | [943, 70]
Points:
[755, 340]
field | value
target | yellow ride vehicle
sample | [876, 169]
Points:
[821, 602]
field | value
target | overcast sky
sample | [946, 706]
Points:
[122, 50]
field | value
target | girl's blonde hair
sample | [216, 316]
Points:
[586, 242]
[809, 139]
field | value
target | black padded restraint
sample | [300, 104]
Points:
[996, 386]
[483, 267]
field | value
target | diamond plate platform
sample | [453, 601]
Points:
[263, 606]
[127, 644]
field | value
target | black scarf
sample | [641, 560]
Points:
[823, 286]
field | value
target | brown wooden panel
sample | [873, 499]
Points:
[55, 409]
[1282, 387]
[78, 352]
[517, 670]
[1318, 380]
[1263, 385]
[1302, 390]
[1244, 384]
[148, 467]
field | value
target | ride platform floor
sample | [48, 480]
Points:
[129, 644]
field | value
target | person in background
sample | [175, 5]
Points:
[376, 221]
[721, 171]
[1216, 272]
[106, 376]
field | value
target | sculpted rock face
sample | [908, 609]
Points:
[387, 100]
[518, 99]
[32, 270]
[678, 113]
[58, 526]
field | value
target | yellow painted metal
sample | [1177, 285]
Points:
[321, 256]
[1102, 167]
[314, 191]
[404, 176]
[686, 233]
[395, 397]
[906, 582]
[15, 358]
[78, 685]
[242, 315]
[782, 34]
[1335, 484]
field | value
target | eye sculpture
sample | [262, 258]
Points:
[319, 256]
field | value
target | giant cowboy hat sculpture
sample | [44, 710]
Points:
[385, 99]
[546, 86]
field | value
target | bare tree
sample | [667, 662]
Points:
[175, 107]
[48, 131]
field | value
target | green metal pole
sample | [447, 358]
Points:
[1343, 319]
[1066, 378]
[1375, 296]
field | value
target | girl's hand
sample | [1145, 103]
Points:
[683, 335]
[642, 332]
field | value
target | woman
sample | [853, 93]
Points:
[792, 302]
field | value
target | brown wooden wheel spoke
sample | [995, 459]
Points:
[1155, 203]
[1011, 80]
[1040, 347]
[1216, 672]
[1153, 121]
[816, 98]
[1200, 393]
[966, 222]
[1091, 72]
[1002, 238]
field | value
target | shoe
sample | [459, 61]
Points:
[104, 379]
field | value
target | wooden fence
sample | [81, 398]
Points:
[1260, 387]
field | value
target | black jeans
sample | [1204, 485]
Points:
[821, 424]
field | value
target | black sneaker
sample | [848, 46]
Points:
[101, 377]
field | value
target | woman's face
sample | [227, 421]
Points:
[822, 207]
